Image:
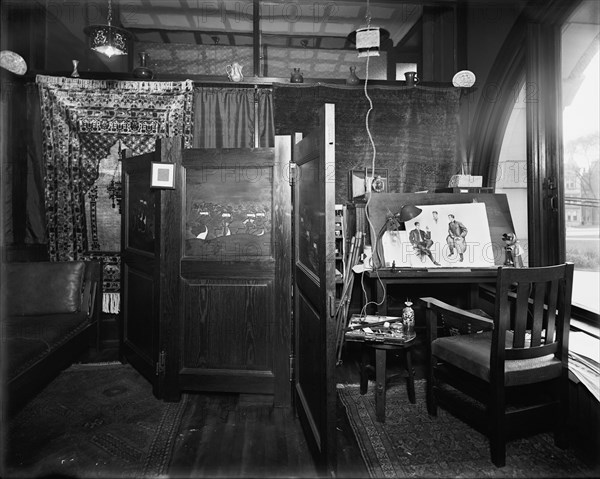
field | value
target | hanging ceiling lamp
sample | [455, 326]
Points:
[107, 39]
[368, 40]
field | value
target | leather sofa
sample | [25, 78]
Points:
[50, 315]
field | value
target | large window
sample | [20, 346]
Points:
[581, 155]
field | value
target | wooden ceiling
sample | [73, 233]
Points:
[297, 23]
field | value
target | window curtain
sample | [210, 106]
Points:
[232, 117]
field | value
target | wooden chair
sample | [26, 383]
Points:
[507, 375]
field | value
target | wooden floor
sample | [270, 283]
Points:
[229, 435]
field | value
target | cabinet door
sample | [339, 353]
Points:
[141, 342]
[235, 271]
[314, 287]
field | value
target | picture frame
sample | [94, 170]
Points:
[361, 181]
[162, 176]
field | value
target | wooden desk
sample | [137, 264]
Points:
[383, 277]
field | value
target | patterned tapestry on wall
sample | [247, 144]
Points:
[86, 124]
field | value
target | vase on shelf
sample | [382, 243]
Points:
[296, 76]
[143, 72]
[352, 79]
[75, 73]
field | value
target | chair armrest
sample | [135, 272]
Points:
[460, 319]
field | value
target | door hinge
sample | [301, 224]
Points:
[160, 364]
[292, 360]
[331, 305]
[292, 172]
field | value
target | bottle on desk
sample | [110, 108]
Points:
[408, 318]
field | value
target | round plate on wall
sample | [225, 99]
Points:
[13, 62]
[464, 79]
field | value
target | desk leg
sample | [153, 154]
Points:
[380, 384]
[410, 380]
[364, 377]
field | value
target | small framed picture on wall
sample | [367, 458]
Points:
[163, 176]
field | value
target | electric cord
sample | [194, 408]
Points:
[367, 215]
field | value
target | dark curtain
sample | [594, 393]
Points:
[416, 130]
[266, 125]
[35, 218]
[23, 167]
[228, 117]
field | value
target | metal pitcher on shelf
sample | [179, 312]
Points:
[234, 72]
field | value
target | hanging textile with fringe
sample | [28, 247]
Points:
[82, 120]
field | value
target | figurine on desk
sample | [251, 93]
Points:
[512, 250]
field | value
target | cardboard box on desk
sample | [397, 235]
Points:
[465, 181]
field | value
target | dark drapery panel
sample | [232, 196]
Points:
[266, 125]
[35, 218]
[228, 117]
[23, 169]
[416, 130]
[223, 117]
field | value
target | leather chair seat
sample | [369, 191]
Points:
[471, 353]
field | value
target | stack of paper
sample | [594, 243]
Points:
[584, 360]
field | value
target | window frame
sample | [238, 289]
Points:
[532, 51]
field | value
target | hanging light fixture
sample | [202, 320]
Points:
[108, 39]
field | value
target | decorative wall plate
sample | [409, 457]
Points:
[464, 79]
[13, 62]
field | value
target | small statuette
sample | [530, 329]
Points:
[75, 73]
[512, 250]
[352, 79]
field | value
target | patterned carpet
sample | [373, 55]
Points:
[93, 421]
[412, 444]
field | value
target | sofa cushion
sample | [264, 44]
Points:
[44, 287]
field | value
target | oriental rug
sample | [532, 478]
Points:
[412, 444]
[98, 420]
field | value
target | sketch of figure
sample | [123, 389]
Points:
[435, 216]
[457, 233]
[421, 241]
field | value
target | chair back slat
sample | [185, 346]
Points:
[520, 314]
[535, 304]
[552, 302]
[537, 313]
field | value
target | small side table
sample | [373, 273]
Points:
[381, 348]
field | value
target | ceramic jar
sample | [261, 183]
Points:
[296, 76]
[143, 72]
[408, 318]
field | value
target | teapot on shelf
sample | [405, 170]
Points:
[234, 72]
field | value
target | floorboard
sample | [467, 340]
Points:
[243, 436]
